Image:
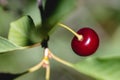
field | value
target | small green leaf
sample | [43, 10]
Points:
[6, 45]
[100, 69]
[54, 11]
[21, 30]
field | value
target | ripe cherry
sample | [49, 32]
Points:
[88, 44]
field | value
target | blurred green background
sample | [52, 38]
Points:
[101, 15]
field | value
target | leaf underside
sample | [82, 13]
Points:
[6, 45]
[100, 69]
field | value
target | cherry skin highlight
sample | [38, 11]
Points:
[88, 44]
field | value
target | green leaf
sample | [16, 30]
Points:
[55, 10]
[6, 45]
[100, 69]
[21, 30]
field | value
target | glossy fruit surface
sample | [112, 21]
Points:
[88, 44]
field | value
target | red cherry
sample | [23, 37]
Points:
[88, 44]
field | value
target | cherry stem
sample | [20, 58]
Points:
[69, 29]
[60, 60]
[46, 64]
[47, 72]
[38, 66]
